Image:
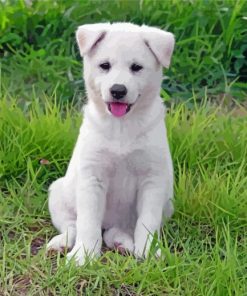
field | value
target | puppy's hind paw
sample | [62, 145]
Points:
[119, 240]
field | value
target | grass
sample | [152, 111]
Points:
[204, 244]
[211, 46]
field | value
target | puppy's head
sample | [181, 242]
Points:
[123, 64]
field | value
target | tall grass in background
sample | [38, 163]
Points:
[38, 50]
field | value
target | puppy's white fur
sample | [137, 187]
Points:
[120, 177]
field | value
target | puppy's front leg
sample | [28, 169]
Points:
[150, 204]
[90, 205]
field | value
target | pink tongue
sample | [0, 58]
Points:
[118, 109]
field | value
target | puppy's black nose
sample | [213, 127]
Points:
[118, 91]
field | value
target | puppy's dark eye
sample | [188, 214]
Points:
[105, 66]
[136, 68]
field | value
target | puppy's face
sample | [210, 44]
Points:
[122, 68]
[123, 71]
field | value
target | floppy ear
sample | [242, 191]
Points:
[161, 44]
[88, 36]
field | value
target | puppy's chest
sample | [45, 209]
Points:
[134, 157]
[135, 162]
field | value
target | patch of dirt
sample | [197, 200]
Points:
[11, 234]
[228, 103]
[124, 290]
[37, 244]
[80, 287]
[21, 284]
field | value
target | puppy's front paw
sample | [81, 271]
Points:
[59, 243]
[142, 251]
[79, 255]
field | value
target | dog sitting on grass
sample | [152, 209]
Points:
[120, 176]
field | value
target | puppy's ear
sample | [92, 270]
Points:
[88, 36]
[160, 43]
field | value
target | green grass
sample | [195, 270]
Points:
[204, 244]
[38, 49]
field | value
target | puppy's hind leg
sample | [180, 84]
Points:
[169, 209]
[63, 216]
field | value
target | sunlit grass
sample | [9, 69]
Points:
[203, 245]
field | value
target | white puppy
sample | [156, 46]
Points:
[120, 177]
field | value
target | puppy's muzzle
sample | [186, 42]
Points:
[118, 91]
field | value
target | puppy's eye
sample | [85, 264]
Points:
[136, 68]
[105, 66]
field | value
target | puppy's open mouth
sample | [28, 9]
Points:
[118, 109]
